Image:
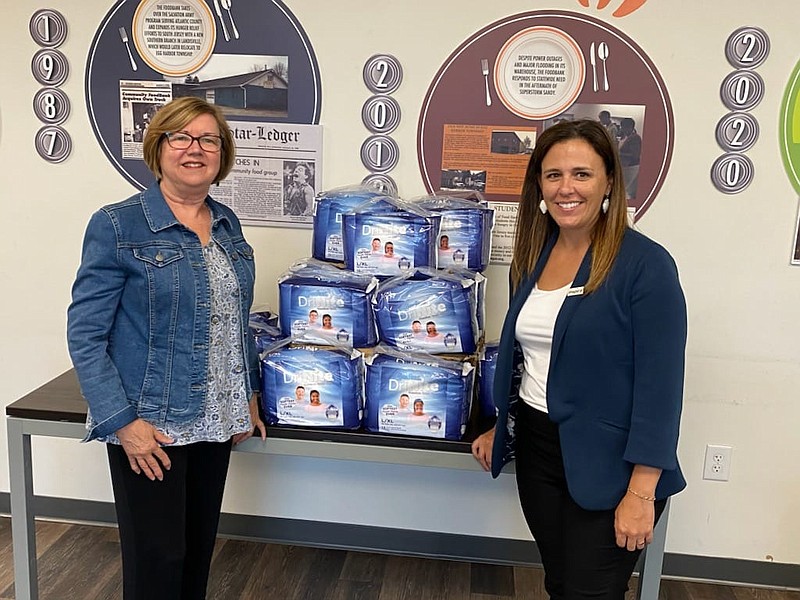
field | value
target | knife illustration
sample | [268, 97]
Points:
[228, 38]
[593, 62]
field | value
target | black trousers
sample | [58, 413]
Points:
[579, 552]
[167, 529]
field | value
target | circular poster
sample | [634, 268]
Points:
[252, 59]
[516, 77]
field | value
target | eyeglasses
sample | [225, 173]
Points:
[182, 141]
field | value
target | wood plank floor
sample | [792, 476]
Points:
[81, 562]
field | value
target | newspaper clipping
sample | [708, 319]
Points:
[276, 175]
[139, 101]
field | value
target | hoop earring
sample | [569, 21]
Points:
[543, 206]
[605, 204]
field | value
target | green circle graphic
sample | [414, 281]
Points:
[790, 129]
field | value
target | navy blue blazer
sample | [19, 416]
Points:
[615, 384]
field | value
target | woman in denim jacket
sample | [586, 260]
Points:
[158, 335]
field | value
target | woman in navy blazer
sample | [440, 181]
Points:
[589, 377]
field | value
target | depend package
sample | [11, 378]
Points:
[312, 387]
[326, 305]
[388, 237]
[428, 311]
[417, 395]
[465, 234]
[327, 242]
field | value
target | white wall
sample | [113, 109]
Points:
[733, 251]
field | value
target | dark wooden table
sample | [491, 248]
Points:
[56, 409]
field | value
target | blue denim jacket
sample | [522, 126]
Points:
[138, 325]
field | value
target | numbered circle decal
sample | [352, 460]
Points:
[50, 67]
[51, 105]
[737, 132]
[742, 90]
[53, 144]
[747, 48]
[731, 173]
[382, 183]
[48, 28]
[379, 153]
[381, 114]
[383, 74]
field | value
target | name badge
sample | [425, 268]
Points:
[576, 291]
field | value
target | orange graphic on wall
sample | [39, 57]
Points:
[624, 9]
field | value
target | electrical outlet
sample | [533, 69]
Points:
[718, 463]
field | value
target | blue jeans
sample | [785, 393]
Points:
[578, 547]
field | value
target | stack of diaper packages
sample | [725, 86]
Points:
[417, 394]
[386, 237]
[326, 305]
[312, 386]
[465, 233]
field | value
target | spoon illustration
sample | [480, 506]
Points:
[602, 54]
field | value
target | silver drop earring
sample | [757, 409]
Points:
[604, 205]
[543, 206]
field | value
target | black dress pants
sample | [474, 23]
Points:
[168, 528]
[578, 547]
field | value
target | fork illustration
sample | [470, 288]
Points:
[485, 71]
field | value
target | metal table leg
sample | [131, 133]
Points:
[650, 577]
[23, 527]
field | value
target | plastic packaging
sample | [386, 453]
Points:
[417, 394]
[465, 235]
[327, 305]
[327, 241]
[428, 311]
[312, 387]
[387, 237]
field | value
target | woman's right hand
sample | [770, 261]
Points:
[142, 443]
[482, 449]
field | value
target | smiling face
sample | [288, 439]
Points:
[327, 322]
[430, 327]
[388, 249]
[315, 397]
[573, 183]
[419, 407]
[193, 170]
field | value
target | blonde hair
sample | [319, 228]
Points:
[176, 115]
[535, 228]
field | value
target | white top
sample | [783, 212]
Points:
[534, 332]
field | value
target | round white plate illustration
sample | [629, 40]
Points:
[539, 72]
[174, 38]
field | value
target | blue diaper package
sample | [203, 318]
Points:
[327, 242]
[326, 305]
[387, 237]
[264, 333]
[465, 235]
[486, 368]
[312, 386]
[419, 395]
[428, 311]
[480, 291]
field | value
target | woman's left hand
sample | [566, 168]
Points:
[256, 423]
[633, 522]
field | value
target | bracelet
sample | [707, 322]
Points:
[642, 496]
